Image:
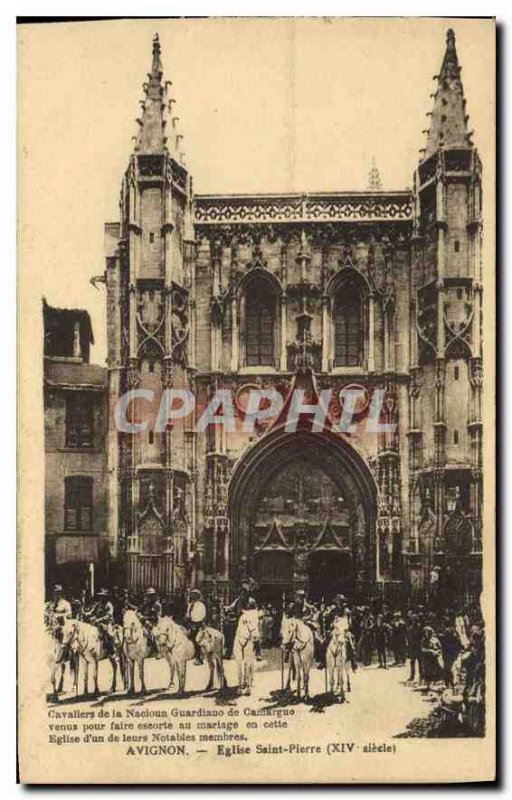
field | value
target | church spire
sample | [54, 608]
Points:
[374, 180]
[151, 137]
[448, 123]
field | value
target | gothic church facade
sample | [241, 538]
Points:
[372, 290]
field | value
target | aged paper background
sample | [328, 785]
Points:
[62, 275]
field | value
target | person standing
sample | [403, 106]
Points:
[399, 638]
[414, 633]
[431, 656]
[381, 636]
[451, 648]
[366, 639]
[195, 617]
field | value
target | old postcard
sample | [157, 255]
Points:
[256, 389]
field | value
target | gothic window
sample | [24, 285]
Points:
[79, 421]
[260, 320]
[348, 327]
[78, 503]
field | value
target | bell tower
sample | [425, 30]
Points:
[149, 278]
[445, 454]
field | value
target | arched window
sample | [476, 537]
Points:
[78, 503]
[260, 321]
[348, 326]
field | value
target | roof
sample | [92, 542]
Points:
[52, 314]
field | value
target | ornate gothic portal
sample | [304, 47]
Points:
[303, 516]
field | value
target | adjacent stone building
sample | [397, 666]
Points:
[75, 417]
[376, 290]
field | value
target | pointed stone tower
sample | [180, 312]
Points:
[374, 179]
[445, 456]
[149, 257]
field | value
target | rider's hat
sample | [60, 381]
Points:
[195, 593]
[150, 591]
[57, 588]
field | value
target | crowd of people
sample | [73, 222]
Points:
[444, 648]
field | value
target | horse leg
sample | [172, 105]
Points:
[182, 676]
[123, 667]
[306, 683]
[114, 674]
[171, 669]
[342, 690]
[289, 678]
[131, 676]
[141, 671]
[95, 665]
[61, 679]
[249, 678]
[73, 661]
[211, 667]
[54, 682]
[222, 675]
[86, 677]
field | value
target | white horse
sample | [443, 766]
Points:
[243, 652]
[211, 642]
[87, 643]
[136, 648]
[175, 645]
[297, 640]
[57, 656]
[337, 662]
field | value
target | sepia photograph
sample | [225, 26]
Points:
[257, 286]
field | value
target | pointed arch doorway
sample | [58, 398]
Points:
[302, 515]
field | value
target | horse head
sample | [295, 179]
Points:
[250, 629]
[132, 627]
[67, 632]
[288, 631]
[165, 633]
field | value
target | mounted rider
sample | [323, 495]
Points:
[195, 618]
[301, 608]
[61, 607]
[122, 603]
[102, 616]
[245, 600]
[149, 614]
[340, 617]
[246, 593]
[252, 613]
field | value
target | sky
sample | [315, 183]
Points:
[276, 105]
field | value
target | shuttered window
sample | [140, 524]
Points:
[78, 503]
[79, 421]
